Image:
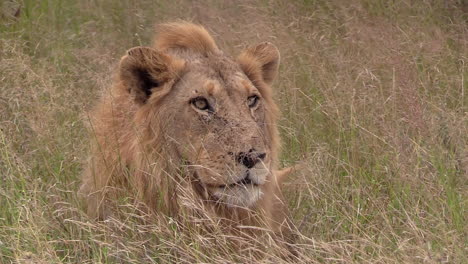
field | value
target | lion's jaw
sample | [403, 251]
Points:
[239, 195]
[224, 179]
[244, 190]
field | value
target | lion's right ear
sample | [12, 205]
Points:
[260, 62]
[144, 69]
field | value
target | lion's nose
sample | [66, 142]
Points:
[249, 159]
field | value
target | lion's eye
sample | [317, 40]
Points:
[252, 101]
[200, 103]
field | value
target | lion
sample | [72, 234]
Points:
[184, 117]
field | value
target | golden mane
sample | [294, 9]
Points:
[185, 35]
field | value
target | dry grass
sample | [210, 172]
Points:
[374, 102]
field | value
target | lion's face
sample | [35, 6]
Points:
[214, 113]
[218, 126]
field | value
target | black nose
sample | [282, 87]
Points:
[249, 159]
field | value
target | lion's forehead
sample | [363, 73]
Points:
[220, 69]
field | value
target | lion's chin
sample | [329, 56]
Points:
[244, 196]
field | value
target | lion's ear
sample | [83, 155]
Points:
[144, 69]
[260, 62]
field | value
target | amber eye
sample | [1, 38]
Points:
[200, 103]
[252, 101]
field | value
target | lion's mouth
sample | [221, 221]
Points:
[245, 181]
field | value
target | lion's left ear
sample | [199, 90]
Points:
[260, 62]
[144, 70]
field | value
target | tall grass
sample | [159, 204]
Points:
[374, 103]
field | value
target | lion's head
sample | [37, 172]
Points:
[214, 113]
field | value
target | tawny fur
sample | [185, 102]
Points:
[185, 35]
[133, 151]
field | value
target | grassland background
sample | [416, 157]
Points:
[374, 102]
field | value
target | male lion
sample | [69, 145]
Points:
[183, 117]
